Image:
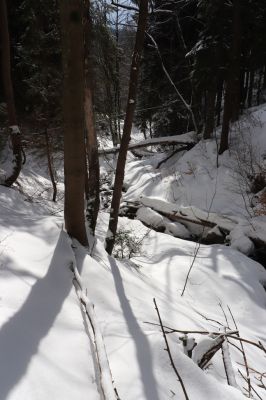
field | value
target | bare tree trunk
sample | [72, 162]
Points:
[9, 95]
[93, 183]
[219, 100]
[71, 14]
[232, 87]
[50, 164]
[131, 103]
[259, 90]
[250, 88]
[210, 113]
[264, 78]
[117, 70]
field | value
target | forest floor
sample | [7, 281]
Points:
[47, 346]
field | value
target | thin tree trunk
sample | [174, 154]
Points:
[250, 88]
[50, 164]
[117, 84]
[232, 87]
[71, 14]
[9, 95]
[259, 90]
[131, 103]
[245, 89]
[93, 183]
[210, 113]
[219, 100]
[264, 78]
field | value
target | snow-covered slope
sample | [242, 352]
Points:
[193, 178]
[47, 346]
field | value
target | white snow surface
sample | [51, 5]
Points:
[192, 182]
[46, 343]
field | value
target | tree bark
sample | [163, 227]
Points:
[232, 86]
[219, 100]
[131, 103]
[50, 164]
[250, 88]
[71, 15]
[9, 95]
[210, 113]
[93, 184]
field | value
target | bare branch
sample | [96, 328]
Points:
[244, 354]
[124, 6]
[169, 352]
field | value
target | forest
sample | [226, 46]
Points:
[132, 199]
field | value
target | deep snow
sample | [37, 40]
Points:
[47, 346]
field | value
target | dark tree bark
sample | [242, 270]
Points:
[131, 103]
[264, 78]
[219, 100]
[210, 113]
[50, 164]
[93, 183]
[232, 85]
[71, 14]
[9, 95]
[259, 89]
[250, 88]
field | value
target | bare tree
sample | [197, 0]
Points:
[50, 163]
[131, 103]
[9, 95]
[93, 184]
[232, 84]
[71, 15]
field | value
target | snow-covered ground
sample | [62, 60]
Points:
[47, 345]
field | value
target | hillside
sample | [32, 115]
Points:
[65, 312]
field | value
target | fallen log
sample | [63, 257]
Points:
[187, 139]
[218, 227]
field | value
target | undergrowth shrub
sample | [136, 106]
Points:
[127, 244]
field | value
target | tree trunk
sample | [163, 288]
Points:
[250, 88]
[244, 89]
[264, 78]
[71, 14]
[117, 71]
[9, 95]
[50, 164]
[131, 103]
[232, 87]
[210, 113]
[259, 90]
[219, 100]
[93, 183]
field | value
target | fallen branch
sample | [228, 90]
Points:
[231, 380]
[243, 353]
[251, 387]
[227, 334]
[184, 148]
[204, 360]
[186, 332]
[187, 139]
[169, 352]
[106, 381]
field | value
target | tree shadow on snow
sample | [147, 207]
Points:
[21, 335]
[142, 345]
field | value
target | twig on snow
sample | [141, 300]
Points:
[169, 351]
[200, 239]
[243, 352]
[185, 332]
[228, 367]
[251, 387]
